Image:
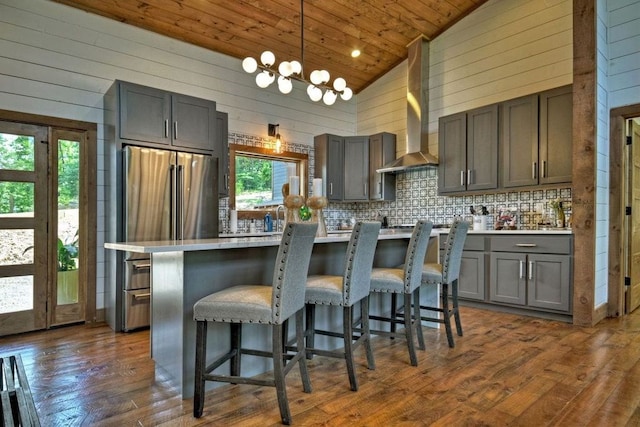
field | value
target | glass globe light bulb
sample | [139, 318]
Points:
[263, 80]
[296, 67]
[249, 65]
[316, 77]
[346, 94]
[268, 58]
[285, 68]
[329, 97]
[325, 76]
[284, 85]
[315, 93]
[339, 84]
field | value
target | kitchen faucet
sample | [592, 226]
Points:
[280, 225]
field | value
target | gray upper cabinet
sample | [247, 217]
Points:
[468, 150]
[382, 150]
[556, 135]
[159, 117]
[329, 165]
[356, 168]
[222, 150]
[520, 142]
[347, 166]
[537, 139]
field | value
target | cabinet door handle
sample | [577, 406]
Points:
[469, 177]
[544, 168]
[521, 276]
[530, 270]
[166, 128]
[331, 188]
[226, 181]
[534, 170]
[365, 189]
[462, 178]
[175, 130]
[526, 245]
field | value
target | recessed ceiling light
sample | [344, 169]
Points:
[355, 53]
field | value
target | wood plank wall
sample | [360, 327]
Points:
[624, 52]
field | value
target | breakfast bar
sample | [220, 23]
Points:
[183, 271]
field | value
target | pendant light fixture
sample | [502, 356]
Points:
[318, 84]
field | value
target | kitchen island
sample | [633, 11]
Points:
[183, 271]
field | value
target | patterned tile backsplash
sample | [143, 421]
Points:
[417, 198]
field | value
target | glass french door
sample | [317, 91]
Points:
[67, 291]
[23, 227]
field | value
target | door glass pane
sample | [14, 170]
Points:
[16, 199]
[17, 294]
[68, 221]
[18, 152]
[16, 247]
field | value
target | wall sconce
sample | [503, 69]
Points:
[273, 131]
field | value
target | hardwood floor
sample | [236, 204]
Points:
[506, 370]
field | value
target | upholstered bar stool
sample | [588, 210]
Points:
[270, 305]
[406, 282]
[345, 291]
[446, 274]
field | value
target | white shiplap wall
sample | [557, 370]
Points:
[624, 52]
[602, 157]
[59, 61]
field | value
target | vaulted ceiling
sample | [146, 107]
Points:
[380, 29]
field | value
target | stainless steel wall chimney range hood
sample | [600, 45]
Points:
[418, 155]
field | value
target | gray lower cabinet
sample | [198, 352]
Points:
[159, 117]
[472, 280]
[531, 271]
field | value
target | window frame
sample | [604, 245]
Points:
[300, 159]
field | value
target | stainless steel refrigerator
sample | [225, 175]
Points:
[168, 195]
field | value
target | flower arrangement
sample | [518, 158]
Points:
[556, 205]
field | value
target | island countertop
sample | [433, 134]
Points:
[273, 239]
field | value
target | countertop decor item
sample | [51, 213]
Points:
[317, 204]
[294, 70]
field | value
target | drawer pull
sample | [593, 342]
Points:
[526, 245]
[142, 266]
[142, 296]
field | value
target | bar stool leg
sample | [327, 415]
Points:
[394, 313]
[236, 344]
[278, 374]
[364, 316]
[416, 316]
[409, 331]
[304, 372]
[201, 346]
[446, 313]
[310, 332]
[456, 312]
[347, 321]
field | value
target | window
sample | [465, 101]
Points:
[257, 175]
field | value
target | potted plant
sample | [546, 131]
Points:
[68, 270]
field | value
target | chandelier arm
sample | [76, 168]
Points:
[300, 78]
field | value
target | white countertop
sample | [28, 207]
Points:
[247, 240]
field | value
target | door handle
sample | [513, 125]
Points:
[462, 178]
[175, 130]
[142, 266]
[166, 128]
[544, 168]
[173, 191]
[534, 170]
[226, 181]
[469, 177]
[331, 188]
[365, 189]
[142, 296]
[530, 270]
[180, 200]
[521, 275]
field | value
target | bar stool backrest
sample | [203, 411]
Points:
[359, 261]
[291, 268]
[453, 251]
[416, 251]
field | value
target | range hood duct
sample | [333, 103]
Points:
[418, 155]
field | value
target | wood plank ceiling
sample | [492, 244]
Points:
[380, 29]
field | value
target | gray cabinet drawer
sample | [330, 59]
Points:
[472, 242]
[532, 244]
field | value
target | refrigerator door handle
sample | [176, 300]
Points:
[173, 188]
[180, 202]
